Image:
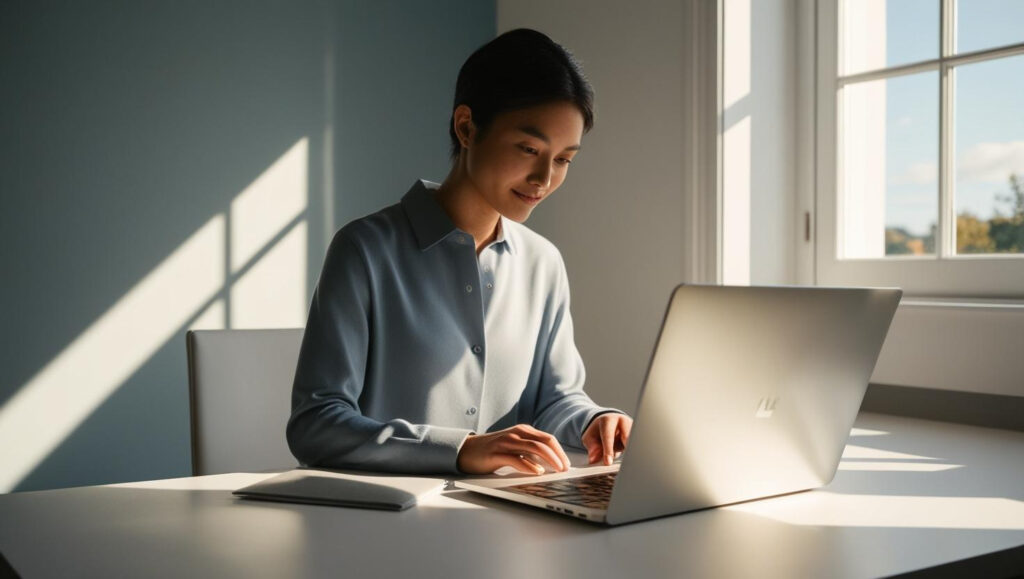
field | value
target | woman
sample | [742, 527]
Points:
[439, 337]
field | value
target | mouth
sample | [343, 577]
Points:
[529, 200]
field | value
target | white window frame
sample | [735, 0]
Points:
[945, 274]
[959, 324]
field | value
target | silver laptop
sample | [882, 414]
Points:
[751, 392]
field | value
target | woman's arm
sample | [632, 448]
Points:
[563, 408]
[326, 427]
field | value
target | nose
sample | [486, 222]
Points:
[541, 175]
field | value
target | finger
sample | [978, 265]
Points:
[539, 449]
[551, 442]
[518, 462]
[545, 453]
[524, 464]
[593, 445]
[592, 441]
[608, 438]
[625, 427]
[595, 448]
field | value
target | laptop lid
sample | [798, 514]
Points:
[751, 392]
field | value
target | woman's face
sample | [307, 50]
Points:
[524, 156]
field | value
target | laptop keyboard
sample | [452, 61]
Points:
[593, 491]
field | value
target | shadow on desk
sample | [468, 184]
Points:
[945, 459]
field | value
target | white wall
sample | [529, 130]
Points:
[621, 219]
[760, 227]
[618, 219]
[862, 227]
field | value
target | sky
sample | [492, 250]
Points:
[988, 117]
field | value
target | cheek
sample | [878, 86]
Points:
[494, 166]
[507, 170]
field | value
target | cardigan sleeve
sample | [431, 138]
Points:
[326, 427]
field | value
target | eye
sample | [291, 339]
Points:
[528, 150]
[563, 161]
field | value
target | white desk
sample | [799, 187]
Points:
[911, 494]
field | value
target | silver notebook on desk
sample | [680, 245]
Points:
[340, 488]
[750, 393]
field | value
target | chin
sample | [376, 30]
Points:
[518, 216]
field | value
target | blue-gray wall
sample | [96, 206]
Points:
[124, 126]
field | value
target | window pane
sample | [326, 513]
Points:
[990, 156]
[985, 24]
[883, 33]
[890, 167]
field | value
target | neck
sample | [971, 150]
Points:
[466, 207]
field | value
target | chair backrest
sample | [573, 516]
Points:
[240, 386]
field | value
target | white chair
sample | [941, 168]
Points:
[240, 386]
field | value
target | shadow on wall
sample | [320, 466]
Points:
[165, 169]
[165, 166]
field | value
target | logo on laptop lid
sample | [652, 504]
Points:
[766, 407]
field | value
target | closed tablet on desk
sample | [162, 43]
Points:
[343, 489]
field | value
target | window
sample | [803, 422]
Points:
[920, 148]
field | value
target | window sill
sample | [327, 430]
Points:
[962, 303]
[955, 344]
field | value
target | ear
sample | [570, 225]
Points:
[465, 130]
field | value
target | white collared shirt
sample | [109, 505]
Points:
[414, 342]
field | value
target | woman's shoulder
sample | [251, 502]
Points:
[383, 230]
[534, 247]
[383, 224]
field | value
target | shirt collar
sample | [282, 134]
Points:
[431, 224]
[506, 234]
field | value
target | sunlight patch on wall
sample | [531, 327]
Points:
[271, 289]
[737, 52]
[262, 238]
[212, 318]
[265, 208]
[273, 293]
[736, 142]
[863, 165]
[736, 204]
[68, 389]
[861, 219]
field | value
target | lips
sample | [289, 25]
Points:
[529, 200]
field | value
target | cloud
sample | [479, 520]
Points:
[991, 162]
[923, 173]
[904, 121]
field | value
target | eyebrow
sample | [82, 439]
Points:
[535, 132]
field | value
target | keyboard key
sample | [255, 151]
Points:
[593, 491]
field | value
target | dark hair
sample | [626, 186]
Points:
[517, 70]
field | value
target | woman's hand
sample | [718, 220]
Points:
[522, 447]
[607, 436]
